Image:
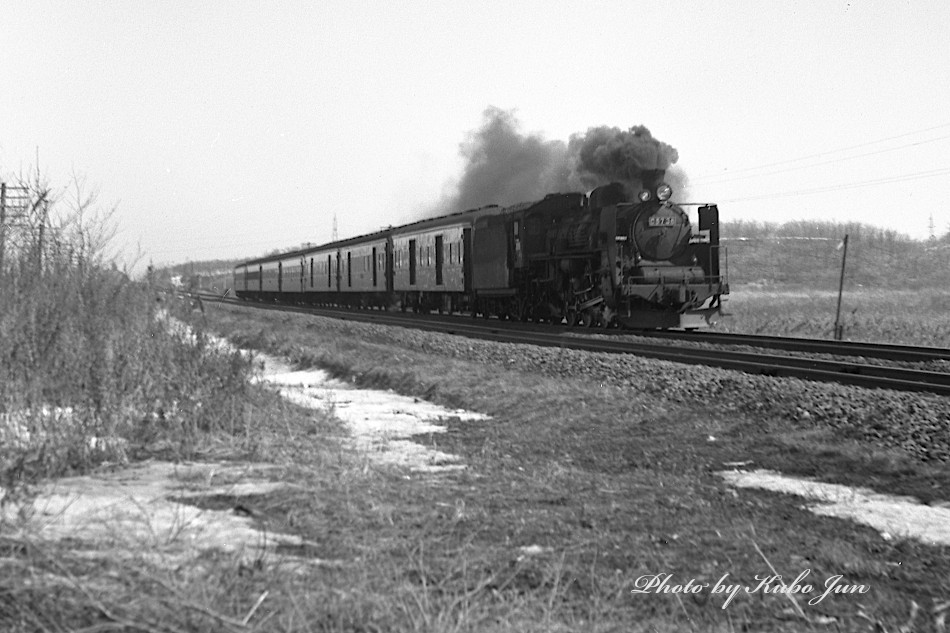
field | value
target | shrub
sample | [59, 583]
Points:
[88, 369]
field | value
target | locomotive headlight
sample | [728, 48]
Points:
[664, 191]
[645, 196]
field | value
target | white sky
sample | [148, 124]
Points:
[226, 129]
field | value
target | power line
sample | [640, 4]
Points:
[821, 154]
[827, 162]
[840, 187]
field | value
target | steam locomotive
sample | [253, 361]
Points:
[585, 260]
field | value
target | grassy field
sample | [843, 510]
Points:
[912, 317]
[572, 493]
[602, 484]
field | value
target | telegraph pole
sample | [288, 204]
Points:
[839, 328]
[3, 221]
[13, 211]
[39, 251]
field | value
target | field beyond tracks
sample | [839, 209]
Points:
[910, 317]
[588, 478]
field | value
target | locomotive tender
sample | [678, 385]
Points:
[595, 259]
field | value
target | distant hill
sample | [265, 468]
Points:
[807, 254]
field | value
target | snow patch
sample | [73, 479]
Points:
[891, 515]
[140, 509]
[380, 422]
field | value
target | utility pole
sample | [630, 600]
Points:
[3, 221]
[839, 329]
[14, 204]
[39, 252]
[336, 234]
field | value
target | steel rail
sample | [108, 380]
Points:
[887, 351]
[821, 370]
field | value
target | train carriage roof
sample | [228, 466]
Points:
[462, 217]
[467, 216]
[330, 246]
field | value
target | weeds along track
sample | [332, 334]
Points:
[805, 365]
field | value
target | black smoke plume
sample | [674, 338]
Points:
[504, 166]
[631, 156]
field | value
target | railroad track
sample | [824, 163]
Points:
[769, 364]
[907, 353]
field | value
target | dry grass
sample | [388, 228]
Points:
[90, 375]
[90, 371]
[606, 487]
[919, 317]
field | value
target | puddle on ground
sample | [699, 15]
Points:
[380, 423]
[893, 516]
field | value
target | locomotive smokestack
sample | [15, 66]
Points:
[650, 179]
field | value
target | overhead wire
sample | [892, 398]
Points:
[822, 154]
[821, 164]
[843, 186]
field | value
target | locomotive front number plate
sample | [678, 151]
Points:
[663, 220]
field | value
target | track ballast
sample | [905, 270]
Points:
[619, 342]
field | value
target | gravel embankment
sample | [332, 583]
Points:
[917, 423]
